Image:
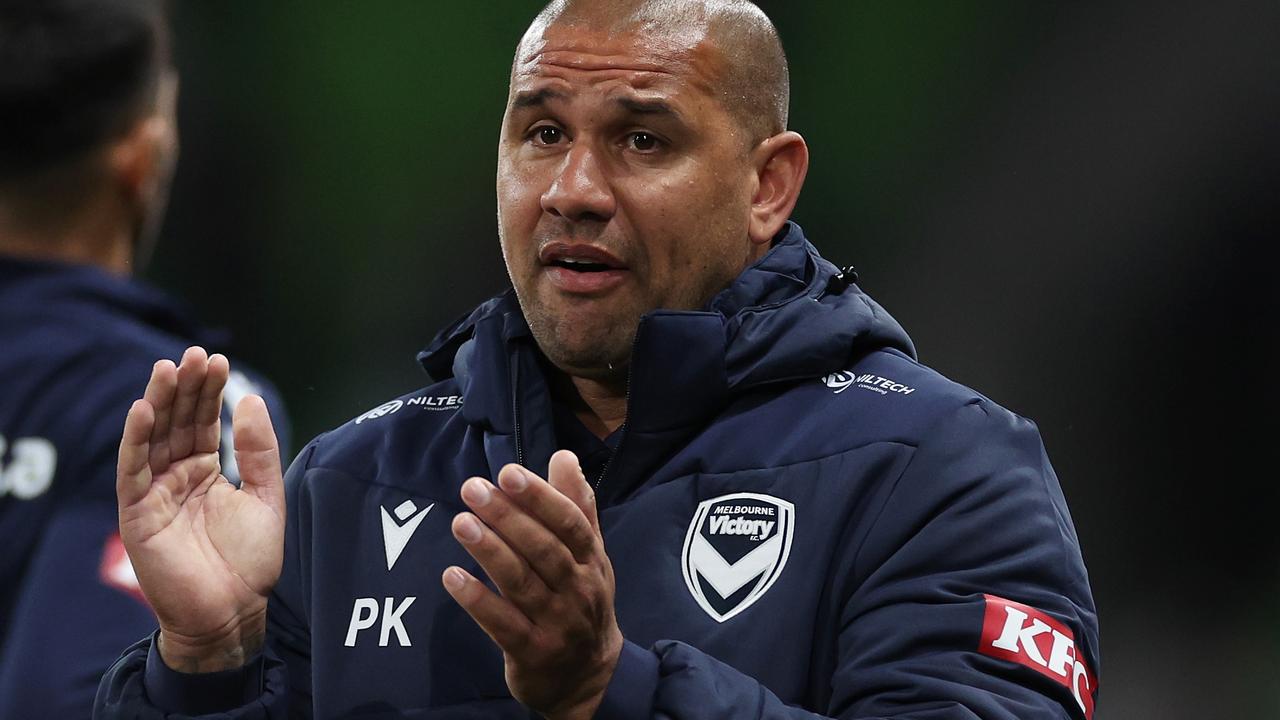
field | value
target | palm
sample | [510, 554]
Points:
[206, 553]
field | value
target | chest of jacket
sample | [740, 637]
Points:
[746, 564]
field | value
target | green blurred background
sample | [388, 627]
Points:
[1065, 204]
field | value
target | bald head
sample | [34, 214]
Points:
[753, 82]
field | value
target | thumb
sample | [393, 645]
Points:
[565, 475]
[258, 452]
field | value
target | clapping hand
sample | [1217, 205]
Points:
[554, 620]
[205, 552]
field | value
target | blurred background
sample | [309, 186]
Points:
[1066, 204]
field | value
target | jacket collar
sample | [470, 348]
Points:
[49, 285]
[789, 316]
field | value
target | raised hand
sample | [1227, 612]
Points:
[540, 543]
[206, 553]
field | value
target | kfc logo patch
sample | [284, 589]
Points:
[735, 550]
[1023, 635]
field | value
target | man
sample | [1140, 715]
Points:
[87, 143]
[763, 506]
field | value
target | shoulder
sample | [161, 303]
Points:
[66, 381]
[882, 397]
[73, 375]
[390, 438]
[93, 348]
[957, 433]
[907, 397]
[973, 461]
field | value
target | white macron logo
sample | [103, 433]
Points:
[397, 531]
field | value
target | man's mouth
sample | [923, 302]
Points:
[581, 269]
[579, 257]
[580, 265]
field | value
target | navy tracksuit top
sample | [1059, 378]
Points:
[803, 521]
[76, 349]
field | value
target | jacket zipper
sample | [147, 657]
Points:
[515, 411]
[622, 438]
[609, 463]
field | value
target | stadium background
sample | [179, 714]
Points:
[1065, 204]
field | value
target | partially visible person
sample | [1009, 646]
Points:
[88, 142]
[757, 503]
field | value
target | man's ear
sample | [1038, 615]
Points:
[781, 163]
[140, 160]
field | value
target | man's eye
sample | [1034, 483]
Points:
[548, 135]
[643, 142]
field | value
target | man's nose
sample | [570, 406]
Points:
[580, 190]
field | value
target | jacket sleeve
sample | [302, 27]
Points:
[78, 602]
[967, 598]
[272, 687]
[72, 617]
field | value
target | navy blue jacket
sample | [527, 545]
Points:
[76, 349]
[802, 520]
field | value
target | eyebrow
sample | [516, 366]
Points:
[648, 107]
[527, 99]
[540, 98]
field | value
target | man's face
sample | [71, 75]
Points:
[623, 186]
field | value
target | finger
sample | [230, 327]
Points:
[191, 376]
[565, 474]
[208, 414]
[133, 473]
[552, 509]
[159, 394]
[537, 545]
[507, 569]
[499, 619]
[258, 452]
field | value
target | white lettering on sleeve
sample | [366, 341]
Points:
[1014, 634]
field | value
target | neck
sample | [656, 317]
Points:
[90, 235]
[601, 405]
[72, 212]
[114, 258]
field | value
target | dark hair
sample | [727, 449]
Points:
[74, 74]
